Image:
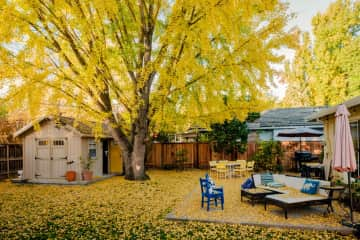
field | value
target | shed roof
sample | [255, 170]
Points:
[331, 110]
[84, 129]
[285, 117]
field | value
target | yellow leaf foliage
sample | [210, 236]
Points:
[185, 61]
[119, 209]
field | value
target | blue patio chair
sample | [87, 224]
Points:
[210, 193]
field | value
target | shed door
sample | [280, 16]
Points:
[51, 157]
[42, 158]
[58, 157]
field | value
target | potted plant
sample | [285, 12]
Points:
[86, 173]
[70, 175]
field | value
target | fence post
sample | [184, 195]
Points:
[7, 160]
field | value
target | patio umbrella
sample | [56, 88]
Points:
[344, 154]
[300, 132]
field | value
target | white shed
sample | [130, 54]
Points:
[61, 144]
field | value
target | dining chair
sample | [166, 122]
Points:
[221, 170]
[240, 168]
[250, 166]
[210, 193]
[212, 165]
[223, 161]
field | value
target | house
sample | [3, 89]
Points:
[327, 117]
[190, 135]
[10, 148]
[273, 121]
[54, 145]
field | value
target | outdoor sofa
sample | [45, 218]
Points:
[289, 195]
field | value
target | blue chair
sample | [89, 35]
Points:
[210, 194]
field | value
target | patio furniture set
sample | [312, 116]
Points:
[280, 190]
[229, 169]
[290, 192]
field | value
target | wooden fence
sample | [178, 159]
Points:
[10, 159]
[198, 155]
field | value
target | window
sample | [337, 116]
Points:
[58, 142]
[92, 149]
[43, 142]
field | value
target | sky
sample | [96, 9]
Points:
[305, 10]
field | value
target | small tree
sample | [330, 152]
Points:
[268, 156]
[229, 137]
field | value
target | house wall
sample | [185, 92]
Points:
[329, 135]
[98, 164]
[271, 134]
[49, 131]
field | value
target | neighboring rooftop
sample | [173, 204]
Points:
[285, 117]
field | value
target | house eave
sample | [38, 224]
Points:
[319, 116]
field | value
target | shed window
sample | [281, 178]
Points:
[58, 142]
[43, 142]
[92, 149]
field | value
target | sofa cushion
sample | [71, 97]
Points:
[293, 182]
[275, 184]
[310, 186]
[266, 178]
[298, 198]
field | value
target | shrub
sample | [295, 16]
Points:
[268, 156]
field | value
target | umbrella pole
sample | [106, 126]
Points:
[351, 203]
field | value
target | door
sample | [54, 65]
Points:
[105, 156]
[58, 157]
[42, 158]
[51, 157]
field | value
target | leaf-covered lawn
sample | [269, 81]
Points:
[118, 209]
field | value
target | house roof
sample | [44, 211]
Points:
[84, 129]
[285, 117]
[331, 110]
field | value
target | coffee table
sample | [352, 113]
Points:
[255, 194]
[286, 201]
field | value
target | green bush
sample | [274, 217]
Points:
[268, 156]
[229, 137]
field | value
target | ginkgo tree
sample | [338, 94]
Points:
[132, 64]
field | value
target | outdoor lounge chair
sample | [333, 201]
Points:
[211, 194]
[291, 195]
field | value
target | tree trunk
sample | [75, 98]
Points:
[138, 159]
[133, 155]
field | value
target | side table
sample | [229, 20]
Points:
[331, 190]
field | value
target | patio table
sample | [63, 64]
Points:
[231, 167]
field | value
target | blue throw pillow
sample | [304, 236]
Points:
[248, 184]
[266, 178]
[310, 186]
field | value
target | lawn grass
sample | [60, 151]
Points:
[119, 209]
